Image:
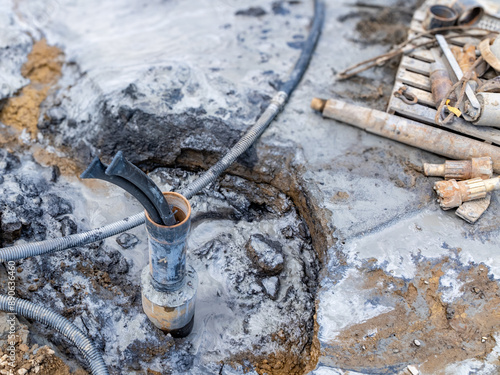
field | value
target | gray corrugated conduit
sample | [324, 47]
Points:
[69, 330]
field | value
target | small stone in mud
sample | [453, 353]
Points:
[11, 227]
[279, 9]
[57, 206]
[8, 161]
[127, 240]
[271, 286]
[417, 343]
[251, 12]
[266, 255]
[33, 187]
[33, 288]
[68, 226]
[56, 173]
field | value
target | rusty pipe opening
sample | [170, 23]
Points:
[443, 13]
[440, 16]
[470, 12]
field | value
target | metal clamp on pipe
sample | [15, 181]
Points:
[168, 287]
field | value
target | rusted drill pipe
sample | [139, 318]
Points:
[422, 136]
[452, 194]
[168, 288]
[490, 109]
[461, 169]
[440, 83]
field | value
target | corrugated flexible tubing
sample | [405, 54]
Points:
[69, 330]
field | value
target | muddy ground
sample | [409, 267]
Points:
[372, 276]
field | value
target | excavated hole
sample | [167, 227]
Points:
[252, 250]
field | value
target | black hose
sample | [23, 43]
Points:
[269, 114]
[307, 50]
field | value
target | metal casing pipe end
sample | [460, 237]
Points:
[168, 288]
[172, 311]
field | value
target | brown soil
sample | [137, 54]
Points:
[447, 333]
[43, 69]
[34, 359]
[67, 167]
[291, 359]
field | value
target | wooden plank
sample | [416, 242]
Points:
[416, 26]
[424, 97]
[416, 66]
[422, 54]
[414, 80]
[420, 14]
[426, 115]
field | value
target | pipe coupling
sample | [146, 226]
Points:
[461, 169]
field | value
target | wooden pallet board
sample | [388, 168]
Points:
[413, 72]
[424, 97]
[413, 79]
[416, 66]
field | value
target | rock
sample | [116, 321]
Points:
[33, 186]
[271, 286]
[8, 161]
[266, 255]
[11, 227]
[279, 9]
[57, 206]
[251, 12]
[56, 173]
[127, 240]
[68, 226]
[33, 288]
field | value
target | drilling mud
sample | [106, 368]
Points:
[282, 241]
[426, 324]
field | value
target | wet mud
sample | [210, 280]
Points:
[425, 326]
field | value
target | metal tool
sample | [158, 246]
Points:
[461, 169]
[452, 193]
[121, 167]
[96, 169]
[474, 109]
[406, 96]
